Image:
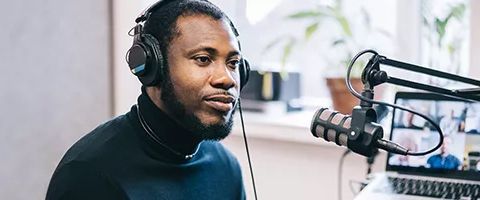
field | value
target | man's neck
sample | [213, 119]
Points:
[168, 130]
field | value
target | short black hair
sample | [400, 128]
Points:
[162, 25]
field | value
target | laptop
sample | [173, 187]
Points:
[451, 172]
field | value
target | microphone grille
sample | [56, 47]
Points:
[323, 117]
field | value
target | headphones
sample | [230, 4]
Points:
[145, 58]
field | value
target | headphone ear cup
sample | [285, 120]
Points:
[137, 59]
[155, 61]
[244, 72]
[145, 59]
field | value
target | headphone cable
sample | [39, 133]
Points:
[246, 148]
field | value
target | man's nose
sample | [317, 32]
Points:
[224, 77]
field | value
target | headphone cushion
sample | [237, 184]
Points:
[154, 61]
[244, 73]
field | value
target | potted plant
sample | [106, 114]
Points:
[444, 36]
[345, 42]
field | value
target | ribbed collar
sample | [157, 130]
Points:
[168, 131]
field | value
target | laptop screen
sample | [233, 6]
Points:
[460, 123]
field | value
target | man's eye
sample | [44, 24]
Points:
[203, 60]
[234, 63]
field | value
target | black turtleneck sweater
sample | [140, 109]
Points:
[119, 160]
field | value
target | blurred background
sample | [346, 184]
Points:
[64, 73]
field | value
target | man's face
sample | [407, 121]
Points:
[203, 83]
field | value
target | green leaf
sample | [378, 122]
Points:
[345, 25]
[458, 11]
[310, 30]
[425, 21]
[338, 41]
[273, 43]
[305, 14]
[287, 50]
[366, 17]
[451, 48]
[342, 20]
[440, 28]
[383, 32]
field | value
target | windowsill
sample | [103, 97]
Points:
[289, 127]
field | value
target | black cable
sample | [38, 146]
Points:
[340, 170]
[246, 148]
[356, 94]
[370, 161]
[352, 189]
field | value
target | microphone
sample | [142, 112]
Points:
[359, 132]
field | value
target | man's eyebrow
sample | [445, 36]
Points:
[209, 50]
[233, 53]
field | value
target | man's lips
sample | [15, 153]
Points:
[220, 102]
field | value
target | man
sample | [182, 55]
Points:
[444, 160]
[408, 142]
[167, 146]
[449, 124]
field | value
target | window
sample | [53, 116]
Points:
[445, 36]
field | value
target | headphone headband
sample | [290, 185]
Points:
[146, 14]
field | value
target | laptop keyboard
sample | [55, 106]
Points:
[436, 189]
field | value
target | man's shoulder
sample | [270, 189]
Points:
[452, 157]
[81, 180]
[434, 157]
[83, 170]
[99, 141]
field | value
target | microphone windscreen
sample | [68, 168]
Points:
[331, 126]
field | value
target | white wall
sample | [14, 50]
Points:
[54, 86]
[126, 86]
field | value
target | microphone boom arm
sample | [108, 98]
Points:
[362, 134]
[373, 75]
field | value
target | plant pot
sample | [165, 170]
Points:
[343, 101]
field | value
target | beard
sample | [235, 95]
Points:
[191, 122]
